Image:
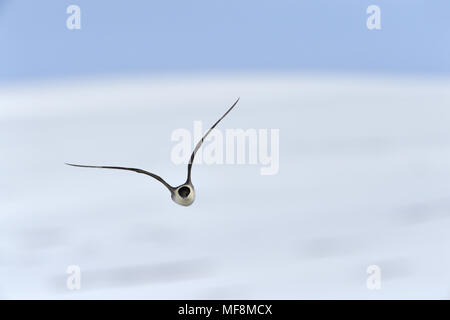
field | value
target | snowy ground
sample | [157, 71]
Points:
[364, 179]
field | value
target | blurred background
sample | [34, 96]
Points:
[364, 149]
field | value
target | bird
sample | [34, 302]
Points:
[184, 194]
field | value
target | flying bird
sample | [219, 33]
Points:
[184, 194]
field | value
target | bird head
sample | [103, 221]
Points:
[184, 195]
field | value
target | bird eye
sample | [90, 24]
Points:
[184, 192]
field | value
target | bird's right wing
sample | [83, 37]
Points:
[129, 169]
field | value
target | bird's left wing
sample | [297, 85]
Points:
[199, 144]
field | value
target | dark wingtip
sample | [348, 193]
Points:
[74, 165]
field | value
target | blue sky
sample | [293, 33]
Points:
[146, 37]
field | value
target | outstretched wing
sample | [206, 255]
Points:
[199, 144]
[129, 169]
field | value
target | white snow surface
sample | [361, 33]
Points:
[364, 180]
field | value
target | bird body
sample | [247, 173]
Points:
[184, 194]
